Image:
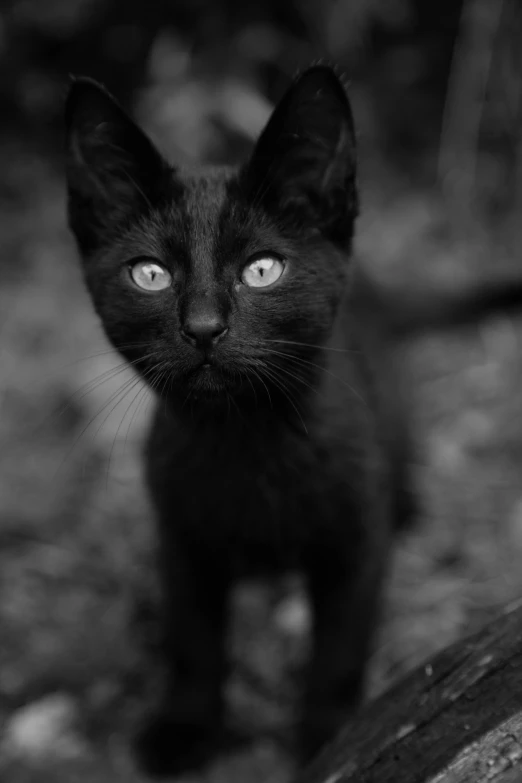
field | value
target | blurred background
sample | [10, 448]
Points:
[437, 97]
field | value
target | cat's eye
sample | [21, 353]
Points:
[262, 271]
[150, 276]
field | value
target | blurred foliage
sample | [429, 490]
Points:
[215, 67]
[398, 51]
[203, 75]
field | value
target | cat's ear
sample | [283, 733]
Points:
[113, 170]
[303, 165]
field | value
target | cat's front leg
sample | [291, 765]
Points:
[187, 728]
[345, 596]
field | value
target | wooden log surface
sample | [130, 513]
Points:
[456, 719]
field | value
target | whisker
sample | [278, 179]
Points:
[259, 377]
[94, 383]
[231, 399]
[280, 385]
[287, 372]
[106, 352]
[142, 388]
[151, 389]
[164, 380]
[126, 385]
[86, 388]
[144, 397]
[263, 341]
[252, 387]
[290, 379]
[118, 398]
[141, 395]
[300, 360]
[139, 383]
[312, 345]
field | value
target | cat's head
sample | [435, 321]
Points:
[216, 281]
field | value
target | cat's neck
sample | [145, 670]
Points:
[262, 410]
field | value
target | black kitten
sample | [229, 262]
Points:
[275, 448]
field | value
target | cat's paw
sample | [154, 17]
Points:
[167, 747]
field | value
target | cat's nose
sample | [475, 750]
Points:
[203, 330]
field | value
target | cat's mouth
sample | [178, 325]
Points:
[211, 380]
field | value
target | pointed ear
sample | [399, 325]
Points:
[114, 172]
[303, 166]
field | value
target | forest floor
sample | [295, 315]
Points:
[76, 582]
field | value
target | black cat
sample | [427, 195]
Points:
[280, 443]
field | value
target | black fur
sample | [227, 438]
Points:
[290, 450]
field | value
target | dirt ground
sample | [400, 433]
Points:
[76, 583]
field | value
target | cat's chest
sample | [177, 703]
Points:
[231, 467]
[256, 489]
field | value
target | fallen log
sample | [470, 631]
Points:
[456, 719]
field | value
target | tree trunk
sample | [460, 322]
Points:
[456, 719]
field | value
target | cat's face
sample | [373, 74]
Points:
[215, 283]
